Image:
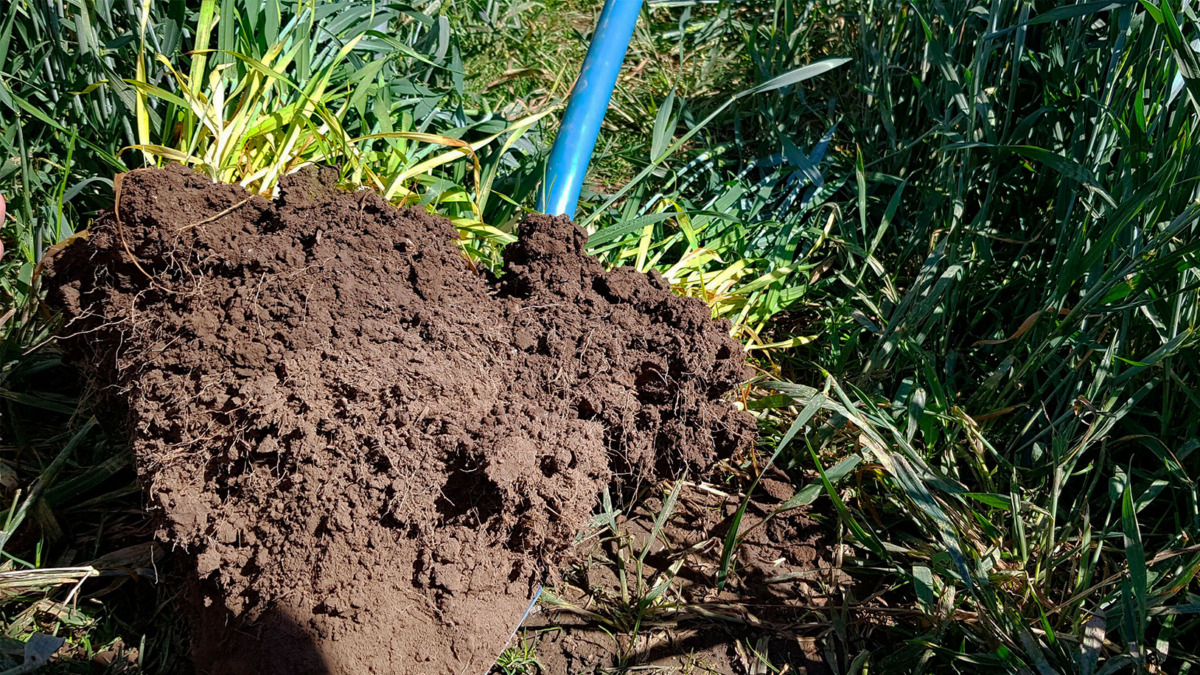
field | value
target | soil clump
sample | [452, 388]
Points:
[371, 454]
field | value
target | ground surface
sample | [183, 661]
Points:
[671, 613]
[370, 454]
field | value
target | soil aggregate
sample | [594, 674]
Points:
[371, 454]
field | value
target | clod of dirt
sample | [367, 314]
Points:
[371, 453]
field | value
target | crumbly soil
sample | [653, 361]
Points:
[372, 454]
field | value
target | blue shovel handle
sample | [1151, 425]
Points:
[572, 151]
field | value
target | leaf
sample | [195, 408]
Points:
[1034, 649]
[796, 76]
[1066, 166]
[1022, 329]
[1125, 288]
[767, 279]
[991, 499]
[615, 232]
[43, 402]
[1135, 555]
[664, 126]
[664, 514]
[39, 648]
[1185, 58]
[888, 215]
[47, 478]
[1081, 9]
[860, 177]
[158, 92]
[1093, 640]
[163, 151]
[809, 493]
[1153, 10]
[916, 413]
[668, 577]
[143, 116]
[792, 342]
[865, 537]
[1170, 348]
[922, 578]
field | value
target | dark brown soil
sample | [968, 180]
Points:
[767, 618]
[371, 453]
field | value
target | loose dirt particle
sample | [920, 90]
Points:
[371, 454]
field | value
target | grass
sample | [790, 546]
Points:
[521, 56]
[965, 262]
[519, 659]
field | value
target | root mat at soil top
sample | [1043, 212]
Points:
[371, 453]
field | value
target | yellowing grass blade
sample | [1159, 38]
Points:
[487, 231]
[282, 163]
[204, 26]
[157, 92]
[797, 341]
[151, 150]
[461, 148]
[767, 279]
[143, 117]
[693, 259]
[644, 247]
[518, 130]
[728, 275]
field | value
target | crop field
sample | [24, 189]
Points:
[956, 245]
